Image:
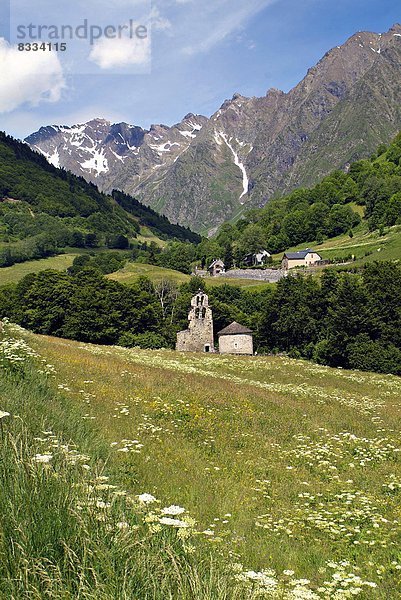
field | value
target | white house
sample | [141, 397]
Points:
[257, 259]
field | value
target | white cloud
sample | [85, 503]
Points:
[159, 23]
[124, 52]
[28, 77]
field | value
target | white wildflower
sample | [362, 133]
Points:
[146, 498]
[42, 458]
[172, 522]
[173, 510]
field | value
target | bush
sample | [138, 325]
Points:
[366, 355]
[148, 341]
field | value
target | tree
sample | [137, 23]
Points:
[77, 239]
[92, 240]
[119, 242]
[295, 227]
[393, 210]
[348, 317]
[253, 238]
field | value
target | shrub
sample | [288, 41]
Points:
[147, 340]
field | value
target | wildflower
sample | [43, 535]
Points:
[172, 522]
[146, 498]
[42, 458]
[4, 414]
[101, 504]
[173, 510]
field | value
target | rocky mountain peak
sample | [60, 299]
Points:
[274, 92]
[396, 28]
[201, 172]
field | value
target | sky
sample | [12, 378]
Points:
[197, 53]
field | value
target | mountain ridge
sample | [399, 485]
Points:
[202, 171]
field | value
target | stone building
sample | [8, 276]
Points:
[216, 268]
[257, 259]
[199, 335]
[302, 258]
[235, 339]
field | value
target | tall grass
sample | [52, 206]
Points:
[66, 532]
[284, 465]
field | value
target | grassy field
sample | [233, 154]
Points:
[284, 465]
[146, 235]
[130, 273]
[17, 272]
[365, 246]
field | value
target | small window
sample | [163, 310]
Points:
[207, 348]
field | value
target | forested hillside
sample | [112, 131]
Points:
[370, 187]
[43, 209]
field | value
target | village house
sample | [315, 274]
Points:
[217, 267]
[235, 339]
[257, 259]
[302, 258]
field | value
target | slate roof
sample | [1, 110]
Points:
[299, 255]
[234, 329]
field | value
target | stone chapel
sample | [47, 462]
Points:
[199, 335]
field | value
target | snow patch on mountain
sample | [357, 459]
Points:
[195, 127]
[53, 159]
[217, 138]
[118, 157]
[161, 148]
[97, 163]
[237, 161]
[70, 131]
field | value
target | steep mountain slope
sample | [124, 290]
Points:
[204, 171]
[38, 199]
[343, 108]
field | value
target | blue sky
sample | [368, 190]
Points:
[202, 52]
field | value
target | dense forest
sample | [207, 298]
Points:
[343, 320]
[43, 209]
